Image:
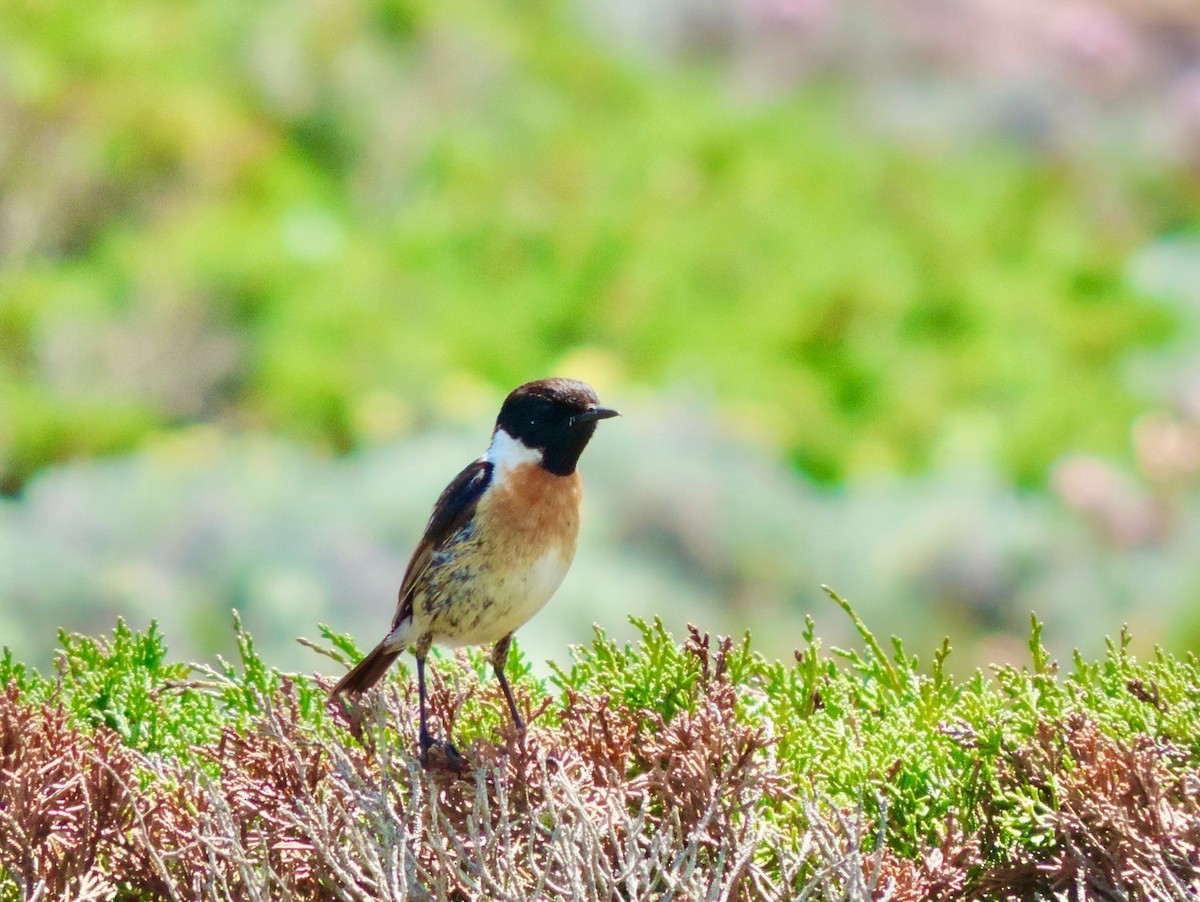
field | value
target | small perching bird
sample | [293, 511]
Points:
[498, 543]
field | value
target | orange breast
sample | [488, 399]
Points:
[533, 511]
[514, 559]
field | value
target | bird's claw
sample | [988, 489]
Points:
[441, 755]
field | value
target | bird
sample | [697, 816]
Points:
[497, 545]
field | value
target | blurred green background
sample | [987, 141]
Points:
[903, 300]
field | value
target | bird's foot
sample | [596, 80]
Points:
[437, 754]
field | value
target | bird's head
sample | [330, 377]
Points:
[549, 422]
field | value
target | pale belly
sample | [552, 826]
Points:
[483, 606]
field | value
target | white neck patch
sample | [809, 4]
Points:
[506, 452]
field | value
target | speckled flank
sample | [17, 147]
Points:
[478, 590]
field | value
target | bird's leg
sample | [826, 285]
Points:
[423, 737]
[454, 760]
[499, 662]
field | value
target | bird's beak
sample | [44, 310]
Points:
[592, 414]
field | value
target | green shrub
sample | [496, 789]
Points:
[839, 772]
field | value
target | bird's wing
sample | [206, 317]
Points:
[452, 511]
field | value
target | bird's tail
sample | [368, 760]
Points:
[367, 672]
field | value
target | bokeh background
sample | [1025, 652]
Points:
[899, 296]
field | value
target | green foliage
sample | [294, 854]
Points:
[303, 231]
[655, 675]
[928, 755]
[243, 692]
[14, 673]
[917, 747]
[936, 750]
[126, 684]
[341, 643]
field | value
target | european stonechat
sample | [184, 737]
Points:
[498, 543]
